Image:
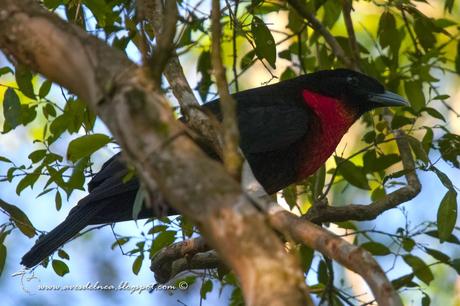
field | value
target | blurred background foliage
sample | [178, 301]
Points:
[52, 142]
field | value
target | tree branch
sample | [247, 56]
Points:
[323, 213]
[165, 39]
[164, 262]
[350, 256]
[232, 158]
[316, 25]
[141, 120]
[196, 119]
[347, 6]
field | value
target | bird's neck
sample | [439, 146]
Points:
[334, 121]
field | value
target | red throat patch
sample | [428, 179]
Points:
[335, 120]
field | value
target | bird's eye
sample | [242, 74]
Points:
[353, 81]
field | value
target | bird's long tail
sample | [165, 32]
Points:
[52, 241]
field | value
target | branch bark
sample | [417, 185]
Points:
[350, 256]
[232, 158]
[198, 121]
[140, 118]
[324, 213]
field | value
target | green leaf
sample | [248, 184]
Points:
[44, 89]
[5, 70]
[28, 113]
[332, 13]
[62, 254]
[99, 9]
[456, 265]
[163, 239]
[58, 200]
[37, 155]
[438, 255]
[452, 238]
[4, 159]
[449, 5]
[11, 110]
[60, 267]
[388, 33]
[86, 145]
[52, 4]
[449, 146]
[49, 110]
[265, 43]
[408, 244]
[77, 178]
[141, 195]
[418, 149]
[290, 195]
[306, 257]
[206, 287]
[447, 215]
[137, 264]
[424, 29]
[434, 113]
[3, 253]
[427, 140]
[402, 281]
[352, 173]
[426, 300]
[414, 92]
[247, 60]
[443, 178]
[24, 81]
[318, 181]
[28, 180]
[323, 276]
[421, 270]
[376, 248]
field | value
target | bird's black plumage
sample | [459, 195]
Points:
[276, 127]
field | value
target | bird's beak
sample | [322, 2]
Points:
[388, 98]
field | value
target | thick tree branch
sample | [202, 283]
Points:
[232, 157]
[350, 256]
[182, 256]
[140, 118]
[165, 40]
[316, 25]
[164, 263]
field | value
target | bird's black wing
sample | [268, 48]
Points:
[265, 129]
[270, 118]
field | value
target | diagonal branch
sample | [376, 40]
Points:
[196, 119]
[316, 25]
[323, 213]
[350, 256]
[347, 6]
[232, 158]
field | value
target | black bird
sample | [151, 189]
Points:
[287, 131]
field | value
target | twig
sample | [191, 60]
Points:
[195, 118]
[318, 26]
[371, 211]
[347, 6]
[232, 159]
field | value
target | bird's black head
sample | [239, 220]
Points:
[358, 91]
